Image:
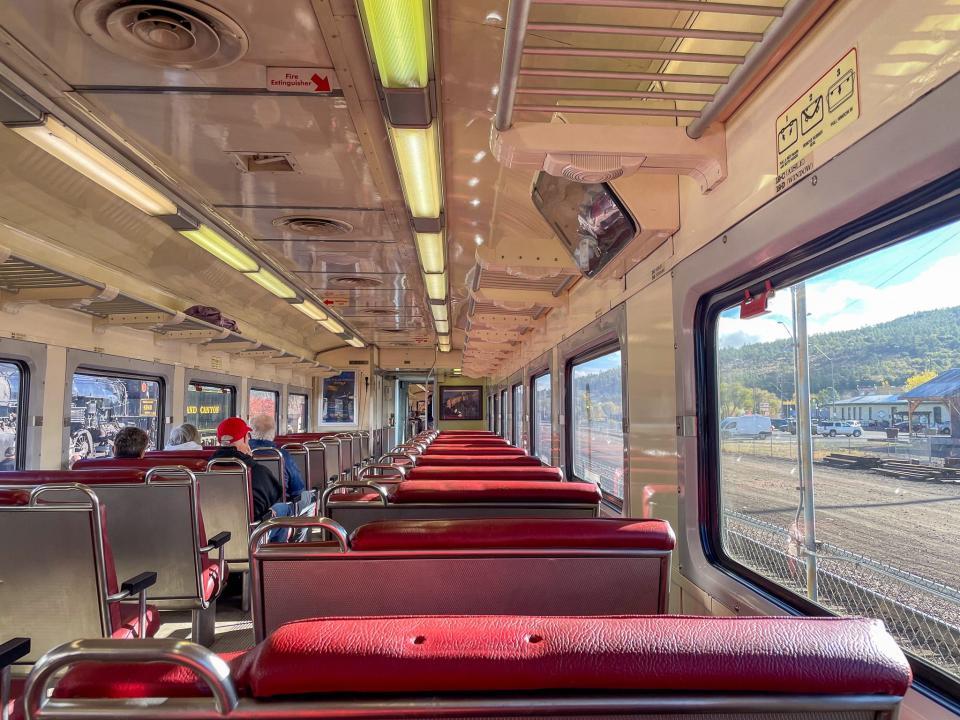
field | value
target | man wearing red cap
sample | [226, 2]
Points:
[232, 436]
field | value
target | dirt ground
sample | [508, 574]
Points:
[914, 526]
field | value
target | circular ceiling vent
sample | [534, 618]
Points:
[356, 281]
[187, 34]
[379, 311]
[315, 225]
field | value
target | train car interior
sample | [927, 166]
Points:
[479, 359]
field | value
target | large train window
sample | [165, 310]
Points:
[13, 382]
[837, 437]
[504, 414]
[207, 405]
[540, 418]
[102, 403]
[264, 402]
[596, 426]
[518, 414]
[297, 409]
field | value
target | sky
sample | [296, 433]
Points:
[598, 365]
[919, 274]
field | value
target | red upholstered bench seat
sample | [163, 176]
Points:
[491, 491]
[470, 472]
[196, 464]
[480, 452]
[428, 459]
[435, 655]
[102, 476]
[204, 454]
[514, 533]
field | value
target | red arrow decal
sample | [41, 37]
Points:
[322, 83]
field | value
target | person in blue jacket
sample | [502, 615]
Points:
[263, 429]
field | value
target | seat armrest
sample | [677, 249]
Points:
[13, 650]
[217, 541]
[138, 583]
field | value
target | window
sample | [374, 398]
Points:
[490, 413]
[596, 428]
[338, 399]
[540, 419]
[207, 406]
[518, 415]
[102, 404]
[495, 409]
[852, 517]
[13, 400]
[264, 402]
[504, 414]
[297, 409]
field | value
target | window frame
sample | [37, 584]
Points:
[274, 391]
[23, 403]
[504, 404]
[606, 347]
[92, 371]
[534, 450]
[517, 413]
[922, 210]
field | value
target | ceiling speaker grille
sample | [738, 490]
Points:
[314, 225]
[356, 281]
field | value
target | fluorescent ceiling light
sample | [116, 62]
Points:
[215, 244]
[439, 312]
[445, 347]
[311, 310]
[355, 342]
[398, 32]
[436, 285]
[430, 246]
[443, 326]
[64, 144]
[266, 279]
[332, 325]
[418, 161]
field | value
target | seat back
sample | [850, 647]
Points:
[226, 503]
[366, 446]
[53, 569]
[471, 472]
[414, 567]
[349, 452]
[300, 457]
[272, 460]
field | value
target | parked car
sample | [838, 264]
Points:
[832, 428]
[757, 426]
[904, 427]
[780, 424]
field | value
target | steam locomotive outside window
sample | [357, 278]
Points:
[207, 406]
[852, 506]
[541, 418]
[518, 415]
[102, 404]
[264, 402]
[596, 429]
[297, 409]
[12, 400]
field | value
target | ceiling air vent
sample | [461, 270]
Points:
[264, 162]
[356, 281]
[379, 311]
[314, 225]
[188, 34]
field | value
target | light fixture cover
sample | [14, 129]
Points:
[311, 310]
[215, 244]
[64, 144]
[436, 284]
[439, 312]
[418, 160]
[268, 280]
[398, 32]
[355, 342]
[443, 326]
[430, 246]
[332, 325]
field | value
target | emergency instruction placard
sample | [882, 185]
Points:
[832, 103]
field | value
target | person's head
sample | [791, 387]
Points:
[233, 432]
[263, 427]
[130, 442]
[185, 433]
[10, 453]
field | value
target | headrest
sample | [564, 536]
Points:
[428, 459]
[144, 463]
[181, 454]
[494, 472]
[491, 491]
[87, 477]
[769, 655]
[514, 533]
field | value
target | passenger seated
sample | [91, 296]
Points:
[9, 461]
[130, 442]
[233, 439]
[184, 437]
[262, 433]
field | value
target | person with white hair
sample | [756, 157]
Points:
[263, 429]
[184, 437]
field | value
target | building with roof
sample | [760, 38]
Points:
[890, 409]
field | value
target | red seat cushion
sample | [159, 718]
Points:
[204, 454]
[828, 656]
[14, 497]
[356, 496]
[480, 452]
[144, 463]
[523, 533]
[489, 491]
[470, 472]
[429, 459]
[47, 477]
[210, 579]
[129, 617]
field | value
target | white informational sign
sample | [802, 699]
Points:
[832, 103]
[302, 80]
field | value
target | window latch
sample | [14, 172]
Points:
[755, 305]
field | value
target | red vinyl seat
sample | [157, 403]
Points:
[428, 459]
[492, 491]
[470, 472]
[196, 464]
[506, 451]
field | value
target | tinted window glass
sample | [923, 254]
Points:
[264, 402]
[518, 415]
[297, 413]
[101, 404]
[12, 410]
[596, 429]
[863, 528]
[505, 422]
[541, 420]
[207, 406]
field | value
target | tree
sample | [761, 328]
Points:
[919, 379]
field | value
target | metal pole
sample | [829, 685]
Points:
[804, 434]
[513, 37]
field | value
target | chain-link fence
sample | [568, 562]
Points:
[922, 614]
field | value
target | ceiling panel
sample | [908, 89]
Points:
[337, 256]
[349, 280]
[293, 223]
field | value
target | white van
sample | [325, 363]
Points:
[758, 426]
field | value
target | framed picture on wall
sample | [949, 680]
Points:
[461, 402]
[337, 399]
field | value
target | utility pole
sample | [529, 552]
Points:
[804, 434]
